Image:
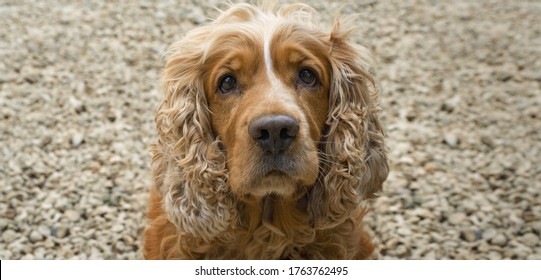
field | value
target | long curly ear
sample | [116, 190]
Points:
[354, 141]
[188, 165]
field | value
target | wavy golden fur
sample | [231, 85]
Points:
[221, 191]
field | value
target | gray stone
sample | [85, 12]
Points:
[72, 215]
[499, 240]
[457, 218]
[470, 235]
[9, 236]
[530, 239]
[493, 255]
[35, 236]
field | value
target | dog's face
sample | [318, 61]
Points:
[268, 93]
[262, 103]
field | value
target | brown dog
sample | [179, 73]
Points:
[268, 140]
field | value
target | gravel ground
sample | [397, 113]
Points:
[461, 98]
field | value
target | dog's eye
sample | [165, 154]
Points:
[307, 77]
[228, 84]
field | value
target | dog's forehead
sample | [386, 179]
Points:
[262, 35]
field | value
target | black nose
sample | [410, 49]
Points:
[273, 133]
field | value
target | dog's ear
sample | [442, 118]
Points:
[354, 140]
[188, 165]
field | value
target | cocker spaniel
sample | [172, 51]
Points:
[268, 141]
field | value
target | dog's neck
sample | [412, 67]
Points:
[280, 213]
[267, 208]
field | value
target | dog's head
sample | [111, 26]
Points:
[260, 103]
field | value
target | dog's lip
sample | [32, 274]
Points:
[276, 172]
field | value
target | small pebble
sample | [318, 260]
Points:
[44, 230]
[450, 105]
[430, 167]
[72, 215]
[117, 228]
[59, 231]
[530, 239]
[128, 240]
[470, 235]
[457, 218]
[490, 233]
[35, 236]
[45, 141]
[493, 255]
[77, 104]
[95, 166]
[9, 236]
[488, 141]
[451, 139]
[62, 232]
[499, 240]
[77, 139]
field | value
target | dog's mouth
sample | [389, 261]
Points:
[280, 165]
[282, 175]
[276, 172]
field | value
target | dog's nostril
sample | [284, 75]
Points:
[264, 135]
[273, 133]
[283, 133]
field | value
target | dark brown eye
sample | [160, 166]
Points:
[227, 84]
[307, 77]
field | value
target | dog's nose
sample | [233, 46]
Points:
[273, 133]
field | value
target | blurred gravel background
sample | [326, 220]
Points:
[460, 91]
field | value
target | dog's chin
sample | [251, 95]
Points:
[275, 183]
